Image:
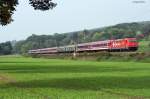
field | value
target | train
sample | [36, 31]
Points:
[115, 45]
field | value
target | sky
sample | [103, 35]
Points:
[72, 15]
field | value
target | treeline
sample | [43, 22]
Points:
[6, 48]
[140, 30]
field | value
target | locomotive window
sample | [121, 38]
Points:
[132, 41]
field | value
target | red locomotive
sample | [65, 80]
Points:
[126, 44]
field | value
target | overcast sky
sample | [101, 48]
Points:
[72, 15]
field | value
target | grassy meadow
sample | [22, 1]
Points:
[37, 78]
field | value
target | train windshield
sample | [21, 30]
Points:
[134, 40]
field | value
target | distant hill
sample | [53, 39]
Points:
[140, 30]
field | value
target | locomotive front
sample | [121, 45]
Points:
[132, 44]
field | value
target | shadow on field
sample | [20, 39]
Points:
[66, 69]
[88, 83]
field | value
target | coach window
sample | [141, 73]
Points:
[72, 49]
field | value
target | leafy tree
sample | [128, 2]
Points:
[5, 48]
[27, 46]
[105, 36]
[75, 37]
[57, 38]
[96, 36]
[81, 37]
[7, 8]
[42, 4]
[17, 47]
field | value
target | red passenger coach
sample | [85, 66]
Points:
[93, 46]
[48, 50]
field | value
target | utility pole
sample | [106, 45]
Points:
[75, 50]
[75, 45]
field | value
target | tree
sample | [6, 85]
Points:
[57, 38]
[5, 48]
[42, 4]
[96, 36]
[7, 8]
[75, 38]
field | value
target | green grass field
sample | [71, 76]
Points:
[28, 78]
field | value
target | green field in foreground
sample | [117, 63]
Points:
[28, 78]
